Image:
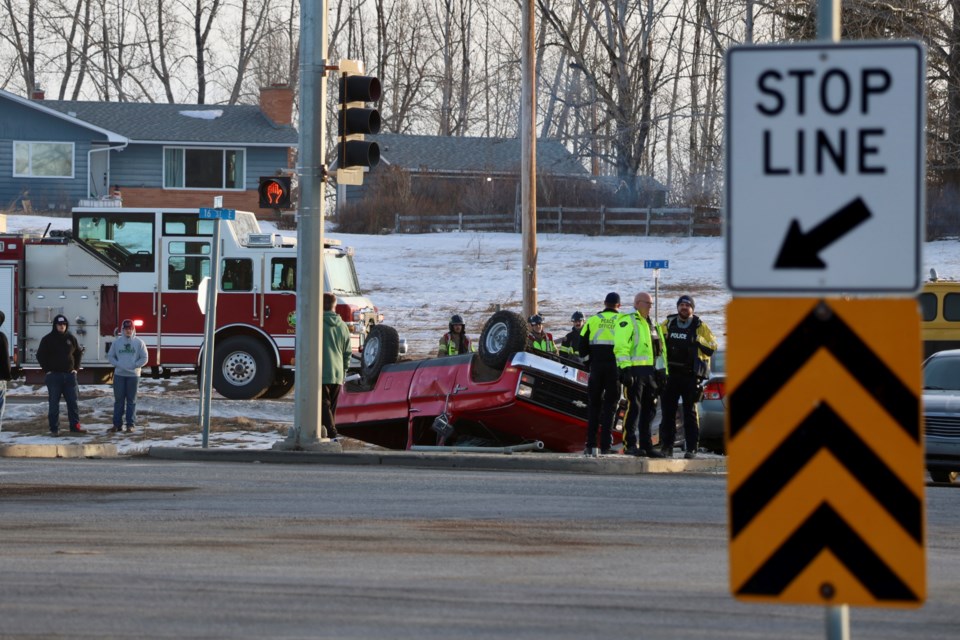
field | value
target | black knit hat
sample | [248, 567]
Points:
[688, 299]
[612, 298]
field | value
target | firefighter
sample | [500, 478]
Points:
[603, 385]
[455, 341]
[569, 345]
[690, 343]
[59, 356]
[639, 349]
[537, 338]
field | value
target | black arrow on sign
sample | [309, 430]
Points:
[799, 249]
[824, 429]
[824, 529]
[823, 329]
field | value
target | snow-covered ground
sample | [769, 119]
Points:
[418, 282]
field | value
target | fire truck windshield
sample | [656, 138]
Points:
[340, 274]
[125, 241]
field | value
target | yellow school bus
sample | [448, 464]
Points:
[940, 315]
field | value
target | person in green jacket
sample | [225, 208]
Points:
[336, 360]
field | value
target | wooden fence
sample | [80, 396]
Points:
[591, 221]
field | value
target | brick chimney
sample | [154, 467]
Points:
[276, 102]
[37, 94]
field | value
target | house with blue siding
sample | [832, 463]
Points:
[54, 154]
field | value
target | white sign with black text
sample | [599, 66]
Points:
[825, 167]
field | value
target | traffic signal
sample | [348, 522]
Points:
[356, 120]
[275, 192]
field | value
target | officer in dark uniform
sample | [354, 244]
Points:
[690, 343]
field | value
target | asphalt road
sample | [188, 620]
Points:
[145, 548]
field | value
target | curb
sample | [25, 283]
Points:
[567, 463]
[58, 451]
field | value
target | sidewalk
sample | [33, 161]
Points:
[526, 461]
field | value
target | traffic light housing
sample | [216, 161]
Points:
[275, 192]
[355, 120]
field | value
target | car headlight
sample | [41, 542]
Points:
[525, 388]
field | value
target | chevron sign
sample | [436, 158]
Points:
[825, 452]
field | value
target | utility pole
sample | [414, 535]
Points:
[310, 219]
[528, 161]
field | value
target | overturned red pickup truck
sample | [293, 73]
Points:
[500, 396]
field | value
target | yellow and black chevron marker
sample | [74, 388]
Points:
[825, 452]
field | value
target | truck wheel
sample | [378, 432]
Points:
[242, 368]
[382, 347]
[504, 334]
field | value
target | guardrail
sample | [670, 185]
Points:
[602, 220]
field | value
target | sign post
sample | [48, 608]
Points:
[825, 196]
[656, 265]
[210, 320]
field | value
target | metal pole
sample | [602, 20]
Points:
[528, 161]
[209, 327]
[828, 30]
[838, 622]
[313, 102]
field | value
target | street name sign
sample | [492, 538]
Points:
[656, 264]
[825, 168]
[825, 452]
[217, 214]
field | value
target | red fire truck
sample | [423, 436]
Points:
[147, 264]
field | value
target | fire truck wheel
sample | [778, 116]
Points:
[242, 369]
[382, 347]
[504, 334]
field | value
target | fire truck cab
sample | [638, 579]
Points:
[146, 265]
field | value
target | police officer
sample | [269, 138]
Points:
[570, 344]
[639, 349]
[690, 343]
[456, 340]
[538, 339]
[603, 385]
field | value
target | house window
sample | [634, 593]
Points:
[43, 159]
[186, 168]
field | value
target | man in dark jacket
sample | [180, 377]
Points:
[4, 368]
[59, 356]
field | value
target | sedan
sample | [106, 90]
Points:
[713, 406]
[941, 414]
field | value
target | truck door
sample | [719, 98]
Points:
[186, 261]
[8, 288]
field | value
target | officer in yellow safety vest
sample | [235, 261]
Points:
[603, 385]
[640, 350]
[537, 338]
[456, 341]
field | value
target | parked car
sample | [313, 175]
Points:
[941, 414]
[502, 395]
[713, 407]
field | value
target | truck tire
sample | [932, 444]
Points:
[242, 368]
[504, 334]
[382, 347]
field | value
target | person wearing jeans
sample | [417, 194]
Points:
[59, 355]
[127, 354]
